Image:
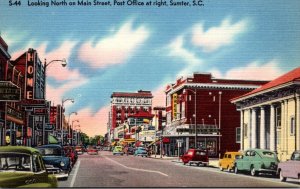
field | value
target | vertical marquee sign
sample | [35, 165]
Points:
[174, 105]
[30, 70]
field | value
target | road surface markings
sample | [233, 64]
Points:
[75, 174]
[136, 169]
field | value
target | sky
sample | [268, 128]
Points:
[127, 48]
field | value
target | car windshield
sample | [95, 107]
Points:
[15, 162]
[268, 154]
[50, 151]
[296, 157]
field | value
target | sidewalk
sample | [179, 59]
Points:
[213, 162]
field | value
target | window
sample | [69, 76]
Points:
[292, 129]
[229, 156]
[238, 135]
[296, 156]
[278, 117]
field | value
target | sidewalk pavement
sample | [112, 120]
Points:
[213, 162]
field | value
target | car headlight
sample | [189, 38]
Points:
[62, 164]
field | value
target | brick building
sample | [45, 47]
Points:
[202, 102]
[124, 104]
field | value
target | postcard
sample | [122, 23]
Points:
[149, 93]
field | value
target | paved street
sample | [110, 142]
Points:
[106, 170]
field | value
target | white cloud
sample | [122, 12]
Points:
[253, 71]
[216, 37]
[177, 50]
[114, 49]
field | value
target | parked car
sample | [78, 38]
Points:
[92, 150]
[56, 161]
[79, 150]
[141, 151]
[71, 153]
[195, 156]
[257, 161]
[227, 162]
[22, 166]
[118, 150]
[290, 168]
[130, 150]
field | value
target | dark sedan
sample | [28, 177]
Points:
[56, 161]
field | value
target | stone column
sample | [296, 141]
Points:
[253, 128]
[272, 128]
[262, 140]
[297, 122]
[242, 130]
[282, 137]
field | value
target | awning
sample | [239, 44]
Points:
[154, 142]
[52, 139]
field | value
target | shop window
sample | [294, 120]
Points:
[238, 135]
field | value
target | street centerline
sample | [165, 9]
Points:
[136, 169]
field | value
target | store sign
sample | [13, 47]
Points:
[174, 107]
[30, 75]
[40, 111]
[9, 91]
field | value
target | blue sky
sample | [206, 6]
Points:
[129, 48]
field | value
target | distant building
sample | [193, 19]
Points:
[270, 116]
[124, 104]
[203, 102]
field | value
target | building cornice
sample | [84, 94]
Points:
[5, 52]
[214, 86]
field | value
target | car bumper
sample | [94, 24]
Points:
[199, 162]
[267, 170]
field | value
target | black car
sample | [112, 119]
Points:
[56, 161]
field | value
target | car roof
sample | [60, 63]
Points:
[18, 149]
[50, 146]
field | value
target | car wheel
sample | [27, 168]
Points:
[228, 169]
[190, 164]
[236, 170]
[253, 172]
[281, 177]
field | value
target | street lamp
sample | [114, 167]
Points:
[63, 63]
[220, 95]
[195, 115]
[69, 121]
[76, 132]
[73, 129]
[61, 117]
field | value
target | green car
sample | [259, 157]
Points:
[257, 161]
[118, 150]
[22, 166]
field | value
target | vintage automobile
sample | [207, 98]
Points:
[56, 161]
[92, 150]
[227, 162]
[141, 151]
[290, 168]
[195, 156]
[23, 167]
[79, 150]
[118, 150]
[257, 161]
[71, 153]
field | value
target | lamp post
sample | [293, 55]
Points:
[46, 64]
[73, 129]
[220, 95]
[61, 117]
[69, 128]
[195, 115]
[76, 132]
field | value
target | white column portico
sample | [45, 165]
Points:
[242, 130]
[298, 122]
[262, 140]
[253, 128]
[272, 128]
